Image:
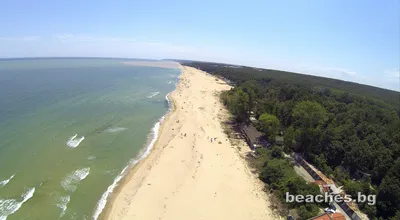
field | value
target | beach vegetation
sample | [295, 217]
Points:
[270, 125]
[347, 130]
[281, 178]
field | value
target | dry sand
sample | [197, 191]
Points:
[186, 177]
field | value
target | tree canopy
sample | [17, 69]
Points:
[308, 114]
[346, 129]
[270, 125]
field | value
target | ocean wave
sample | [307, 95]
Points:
[168, 101]
[10, 206]
[153, 94]
[103, 200]
[74, 142]
[62, 204]
[4, 182]
[91, 157]
[71, 181]
[111, 172]
[169, 82]
[116, 129]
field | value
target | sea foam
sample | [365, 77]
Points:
[153, 94]
[4, 182]
[169, 103]
[74, 141]
[10, 206]
[154, 135]
[103, 200]
[62, 204]
[116, 129]
[71, 181]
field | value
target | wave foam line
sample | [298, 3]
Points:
[103, 200]
[4, 182]
[116, 129]
[10, 206]
[153, 94]
[71, 181]
[74, 142]
[167, 98]
[62, 204]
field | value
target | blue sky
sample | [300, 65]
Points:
[354, 40]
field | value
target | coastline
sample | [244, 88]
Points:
[176, 165]
[119, 181]
[130, 169]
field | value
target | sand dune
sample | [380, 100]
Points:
[187, 177]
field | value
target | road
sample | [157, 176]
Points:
[308, 178]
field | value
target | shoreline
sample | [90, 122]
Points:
[179, 169]
[134, 164]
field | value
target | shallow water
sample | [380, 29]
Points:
[68, 129]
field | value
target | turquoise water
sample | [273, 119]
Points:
[68, 129]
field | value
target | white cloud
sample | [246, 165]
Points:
[392, 74]
[23, 38]
[67, 44]
[109, 46]
[332, 72]
[72, 38]
[342, 71]
[390, 79]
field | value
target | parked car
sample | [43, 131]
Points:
[329, 210]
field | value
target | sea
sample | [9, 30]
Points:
[71, 128]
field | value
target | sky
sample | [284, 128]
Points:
[357, 40]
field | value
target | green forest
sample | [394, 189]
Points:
[349, 131]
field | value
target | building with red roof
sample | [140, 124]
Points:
[329, 216]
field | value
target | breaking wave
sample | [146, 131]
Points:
[103, 200]
[74, 142]
[153, 94]
[10, 206]
[62, 204]
[168, 102]
[114, 130]
[154, 136]
[71, 181]
[4, 182]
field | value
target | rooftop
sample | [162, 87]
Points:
[321, 175]
[329, 216]
[252, 133]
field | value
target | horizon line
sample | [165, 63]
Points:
[185, 60]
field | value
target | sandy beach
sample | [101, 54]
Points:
[186, 176]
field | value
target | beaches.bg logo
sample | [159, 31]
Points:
[328, 198]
